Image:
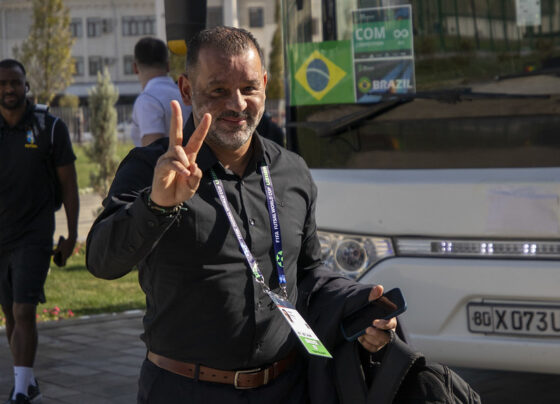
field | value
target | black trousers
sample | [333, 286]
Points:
[158, 386]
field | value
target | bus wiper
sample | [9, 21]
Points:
[383, 103]
[346, 122]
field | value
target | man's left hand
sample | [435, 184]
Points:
[376, 337]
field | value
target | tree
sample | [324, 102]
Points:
[69, 101]
[103, 127]
[46, 53]
[275, 86]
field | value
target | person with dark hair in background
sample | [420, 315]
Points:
[200, 213]
[151, 113]
[270, 130]
[36, 174]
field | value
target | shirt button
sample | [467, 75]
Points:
[252, 222]
[151, 223]
[259, 305]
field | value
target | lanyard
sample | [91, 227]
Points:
[274, 225]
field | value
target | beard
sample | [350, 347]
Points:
[233, 139]
[15, 103]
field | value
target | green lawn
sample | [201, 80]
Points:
[74, 288]
[84, 166]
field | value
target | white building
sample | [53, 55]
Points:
[107, 30]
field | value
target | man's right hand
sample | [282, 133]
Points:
[176, 175]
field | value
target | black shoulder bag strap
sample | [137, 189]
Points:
[40, 127]
[352, 388]
[397, 361]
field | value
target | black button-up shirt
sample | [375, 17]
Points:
[203, 304]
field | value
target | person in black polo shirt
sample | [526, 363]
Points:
[200, 216]
[30, 141]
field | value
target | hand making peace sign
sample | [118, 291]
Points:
[176, 175]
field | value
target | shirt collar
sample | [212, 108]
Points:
[158, 79]
[206, 158]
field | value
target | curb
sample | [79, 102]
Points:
[95, 318]
[89, 319]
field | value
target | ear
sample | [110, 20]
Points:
[135, 68]
[265, 78]
[27, 87]
[186, 89]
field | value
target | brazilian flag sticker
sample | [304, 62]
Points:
[322, 73]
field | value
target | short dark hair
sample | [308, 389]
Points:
[11, 63]
[151, 52]
[228, 40]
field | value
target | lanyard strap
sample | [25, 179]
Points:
[274, 224]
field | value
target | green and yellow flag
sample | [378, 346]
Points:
[322, 73]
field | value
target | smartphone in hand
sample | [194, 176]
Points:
[390, 305]
[58, 260]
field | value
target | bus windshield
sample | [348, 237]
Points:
[423, 84]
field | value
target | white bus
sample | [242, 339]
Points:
[433, 132]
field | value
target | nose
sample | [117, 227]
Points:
[237, 102]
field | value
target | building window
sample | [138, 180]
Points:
[76, 28]
[215, 16]
[128, 63]
[256, 17]
[107, 26]
[138, 25]
[95, 65]
[78, 66]
[94, 27]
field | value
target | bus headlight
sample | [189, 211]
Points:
[353, 255]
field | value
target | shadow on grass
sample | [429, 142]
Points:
[110, 308]
[70, 268]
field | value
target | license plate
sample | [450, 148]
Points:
[514, 319]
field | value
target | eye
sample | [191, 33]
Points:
[218, 91]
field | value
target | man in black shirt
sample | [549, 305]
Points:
[34, 148]
[198, 216]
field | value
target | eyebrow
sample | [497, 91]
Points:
[211, 83]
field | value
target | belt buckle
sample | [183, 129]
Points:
[248, 371]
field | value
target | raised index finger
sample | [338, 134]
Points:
[197, 138]
[176, 125]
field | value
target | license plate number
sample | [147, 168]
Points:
[513, 319]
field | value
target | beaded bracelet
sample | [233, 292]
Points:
[162, 210]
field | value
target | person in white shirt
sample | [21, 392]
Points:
[151, 113]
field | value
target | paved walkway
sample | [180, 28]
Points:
[92, 360]
[90, 203]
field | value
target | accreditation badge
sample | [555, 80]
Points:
[304, 332]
